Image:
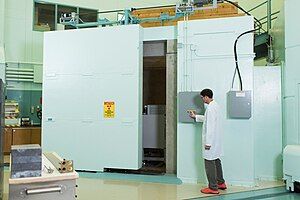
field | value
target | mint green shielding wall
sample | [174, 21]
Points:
[73, 96]
[267, 123]
[292, 72]
[287, 48]
[266, 148]
[205, 60]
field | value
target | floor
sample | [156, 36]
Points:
[277, 193]
[115, 186]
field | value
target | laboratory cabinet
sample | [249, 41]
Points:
[19, 136]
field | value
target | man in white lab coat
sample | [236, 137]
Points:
[211, 137]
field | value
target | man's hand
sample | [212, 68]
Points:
[207, 147]
[192, 114]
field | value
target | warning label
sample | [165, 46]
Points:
[109, 109]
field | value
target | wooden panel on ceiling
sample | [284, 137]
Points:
[223, 10]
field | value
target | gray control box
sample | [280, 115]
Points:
[189, 101]
[239, 104]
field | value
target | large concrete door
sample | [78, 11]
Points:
[92, 96]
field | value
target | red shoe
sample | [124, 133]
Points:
[222, 186]
[209, 191]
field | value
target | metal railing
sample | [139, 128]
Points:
[269, 16]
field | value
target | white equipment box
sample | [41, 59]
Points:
[55, 185]
[291, 165]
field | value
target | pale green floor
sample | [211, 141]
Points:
[112, 186]
[278, 193]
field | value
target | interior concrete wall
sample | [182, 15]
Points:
[171, 108]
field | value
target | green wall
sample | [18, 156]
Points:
[1, 22]
[22, 44]
[2, 65]
[26, 100]
[287, 44]
[267, 124]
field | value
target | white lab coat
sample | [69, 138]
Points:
[211, 134]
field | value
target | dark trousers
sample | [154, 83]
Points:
[214, 173]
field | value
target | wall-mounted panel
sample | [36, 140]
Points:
[189, 101]
[239, 104]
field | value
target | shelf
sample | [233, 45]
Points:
[11, 104]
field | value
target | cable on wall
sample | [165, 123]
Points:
[237, 69]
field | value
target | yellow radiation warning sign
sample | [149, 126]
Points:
[109, 109]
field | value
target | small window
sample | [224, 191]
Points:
[47, 16]
[65, 10]
[88, 15]
[44, 17]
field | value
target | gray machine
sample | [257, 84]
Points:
[154, 129]
[291, 165]
[239, 104]
[53, 182]
[49, 190]
[189, 101]
[1, 138]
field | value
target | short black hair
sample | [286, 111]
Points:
[207, 92]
